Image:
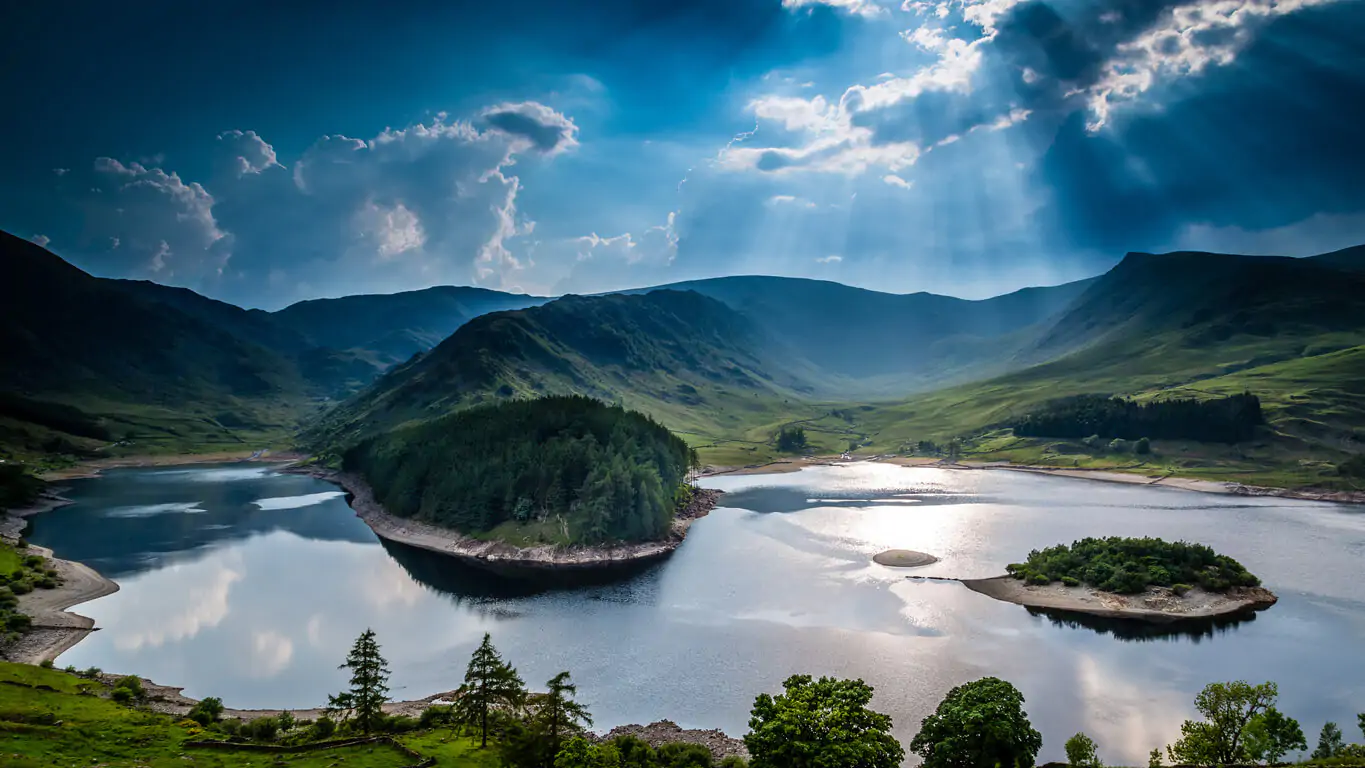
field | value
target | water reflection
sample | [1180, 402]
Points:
[163, 517]
[258, 606]
[461, 580]
[1193, 630]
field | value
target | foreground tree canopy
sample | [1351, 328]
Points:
[1221, 420]
[981, 724]
[821, 723]
[1129, 566]
[586, 471]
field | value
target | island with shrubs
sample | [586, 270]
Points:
[1146, 579]
[554, 482]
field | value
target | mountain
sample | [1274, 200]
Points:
[80, 350]
[884, 344]
[1352, 258]
[686, 358]
[390, 328]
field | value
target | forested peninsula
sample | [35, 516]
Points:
[1147, 579]
[555, 482]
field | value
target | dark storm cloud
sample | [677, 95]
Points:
[548, 131]
[1266, 141]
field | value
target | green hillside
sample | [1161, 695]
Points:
[878, 344]
[386, 329]
[689, 361]
[81, 350]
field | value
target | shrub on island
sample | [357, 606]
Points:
[1131, 565]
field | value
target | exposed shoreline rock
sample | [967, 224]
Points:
[1157, 604]
[663, 732]
[56, 629]
[501, 555]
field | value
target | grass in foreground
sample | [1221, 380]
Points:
[50, 718]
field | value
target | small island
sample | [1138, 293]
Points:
[1145, 579]
[555, 482]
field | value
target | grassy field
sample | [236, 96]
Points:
[50, 718]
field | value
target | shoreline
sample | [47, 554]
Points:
[1157, 605]
[1113, 475]
[83, 470]
[497, 554]
[56, 629]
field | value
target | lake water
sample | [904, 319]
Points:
[250, 585]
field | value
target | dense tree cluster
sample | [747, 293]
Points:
[1222, 420]
[600, 472]
[792, 440]
[18, 488]
[1129, 566]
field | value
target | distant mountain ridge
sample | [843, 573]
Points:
[718, 357]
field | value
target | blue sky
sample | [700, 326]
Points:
[267, 153]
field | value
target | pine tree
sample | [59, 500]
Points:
[369, 683]
[559, 714]
[489, 683]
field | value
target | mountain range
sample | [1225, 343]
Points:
[724, 361]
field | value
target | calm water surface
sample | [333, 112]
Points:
[250, 585]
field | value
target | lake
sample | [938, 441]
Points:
[250, 585]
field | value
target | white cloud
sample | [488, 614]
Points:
[61, 171]
[1184, 43]
[627, 260]
[432, 202]
[155, 215]
[897, 181]
[832, 259]
[392, 229]
[791, 200]
[271, 652]
[856, 7]
[248, 152]
[41, 240]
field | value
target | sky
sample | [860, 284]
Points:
[266, 153]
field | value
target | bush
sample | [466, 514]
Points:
[133, 684]
[733, 761]
[122, 695]
[286, 720]
[46, 664]
[45, 582]
[92, 672]
[34, 561]
[262, 729]
[1071, 581]
[436, 715]
[1143, 447]
[399, 724]
[230, 727]
[17, 622]
[1181, 589]
[21, 586]
[70, 669]
[680, 755]
[1118, 445]
[1038, 578]
[207, 711]
[324, 727]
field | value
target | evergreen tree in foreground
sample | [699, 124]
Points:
[369, 683]
[489, 683]
[559, 714]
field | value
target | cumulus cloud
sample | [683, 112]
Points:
[777, 201]
[897, 181]
[832, 259]
[856, 7]
[166, 225]
[548, 131]
[595, 263]
[247, 152]
[428, 203]
[41, 240]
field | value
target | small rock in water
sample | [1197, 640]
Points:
[903, 558]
